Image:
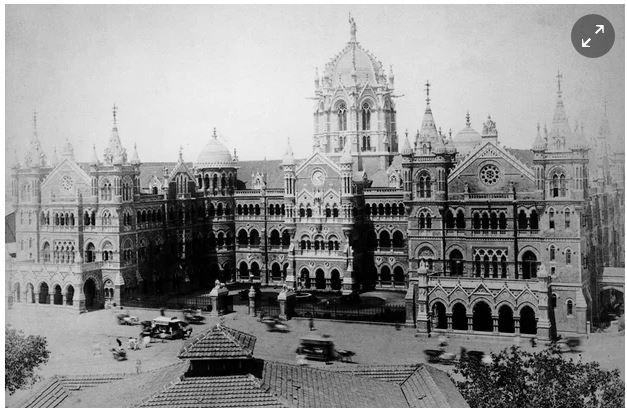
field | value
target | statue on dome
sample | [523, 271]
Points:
[351, 21]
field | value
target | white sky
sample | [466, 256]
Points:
[175, 72]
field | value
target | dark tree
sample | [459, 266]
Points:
[23, 354]
[544, 379]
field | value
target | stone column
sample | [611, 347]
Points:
[516, 325]
[36, 298]
[410, 306]
[495, 324]
[286, 303]
[251, 301]
[469, 322]
[449, 321]
[422, 314]
[218, 297]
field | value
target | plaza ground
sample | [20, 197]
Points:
[80, 344]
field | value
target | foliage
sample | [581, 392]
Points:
[23, 354]
[545, 379]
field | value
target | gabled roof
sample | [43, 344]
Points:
[423, 386]
[490, 150]
[214, 392]
[219, 342]
[311, 387]
[317, 158]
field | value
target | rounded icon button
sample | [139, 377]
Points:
[592, 36]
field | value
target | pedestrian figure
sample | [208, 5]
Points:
[162, 311]
[138, 366]
[534, 342]
[311, 324]
[146, 341]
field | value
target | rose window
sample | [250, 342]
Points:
[489, 174]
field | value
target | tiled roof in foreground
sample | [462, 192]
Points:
[219, 342]
[314, 388]
[58, 388]
[214, 392]
[423, 386]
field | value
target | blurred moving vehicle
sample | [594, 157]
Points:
[126, 319]
[322, 348]
[194, 316]
[568, 344]
[275, 325]
[169, 328]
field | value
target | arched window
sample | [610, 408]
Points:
[309, 212]
[456, 263]
[401, 209]
[285, 239]
[459, 220]
[341, 116]
[569, 307]
[476, 221]
[275, 238]
[424, 185]
[503, 267]
[555, 185]
[502, 221]
[522, 220]
[493, 221]
[567, 218]
[397, 240]
[336, 211]
[553, 300]
[552, 253]
[301, 212]
[562, 185]
[533, 220]
[568, 256]
[529, 265]
[46, 252]
[254, 237]
[450, 220]
[551, 218]
[365, 116]
[384, 240]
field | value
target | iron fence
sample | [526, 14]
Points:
[385, 313]
[173, 303]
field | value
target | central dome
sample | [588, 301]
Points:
[466, 139]
[353, 59]
[214, 154]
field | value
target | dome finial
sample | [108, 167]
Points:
[181, 154]
[351, 21]
[215, 134]
[468, 118]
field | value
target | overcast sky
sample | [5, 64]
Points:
[175, 72]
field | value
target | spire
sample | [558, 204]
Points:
[68, 150]
[115, 153]
[406, 146]
[94, 156]
[35, 156]
[428, 99]
[467, 119]
[353, 28]
[288, 158]
[215, 134]
[539, 143]
[428, 130]
[55, 158]
[560, 128]
[135, 158]
[181, 148]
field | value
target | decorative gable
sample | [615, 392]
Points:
[66, 180]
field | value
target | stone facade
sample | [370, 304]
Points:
[482, 239]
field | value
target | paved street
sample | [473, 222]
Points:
[80, 344]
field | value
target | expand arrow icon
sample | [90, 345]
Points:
[601, 28]
[585, 43]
